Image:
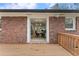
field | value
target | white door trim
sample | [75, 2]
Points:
[47, 30]
[28, 28]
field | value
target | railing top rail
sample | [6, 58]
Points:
[68, 34]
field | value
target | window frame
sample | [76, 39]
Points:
[74, 24]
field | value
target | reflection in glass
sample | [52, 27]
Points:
[38, 29]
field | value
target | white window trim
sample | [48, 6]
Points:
[28, 29]
[74, 24]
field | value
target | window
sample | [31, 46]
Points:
[0, 23]
[70, 23]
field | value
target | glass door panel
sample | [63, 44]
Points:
[38, 29]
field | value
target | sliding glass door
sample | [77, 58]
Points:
[38, 29]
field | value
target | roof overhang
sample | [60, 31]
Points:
[39, 10]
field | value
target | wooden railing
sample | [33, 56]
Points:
[70, 42]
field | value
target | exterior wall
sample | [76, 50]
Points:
[57, 25]
[77, 26]
[14, 30]
[14, 27]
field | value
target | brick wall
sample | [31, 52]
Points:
[14, 30]
[57, 25]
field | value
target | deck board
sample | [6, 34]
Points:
[32, 50]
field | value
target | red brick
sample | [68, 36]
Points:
[57, 25]
[14, 30]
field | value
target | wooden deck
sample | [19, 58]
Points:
[32, 50]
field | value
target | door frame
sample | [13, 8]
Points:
[29, 28]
